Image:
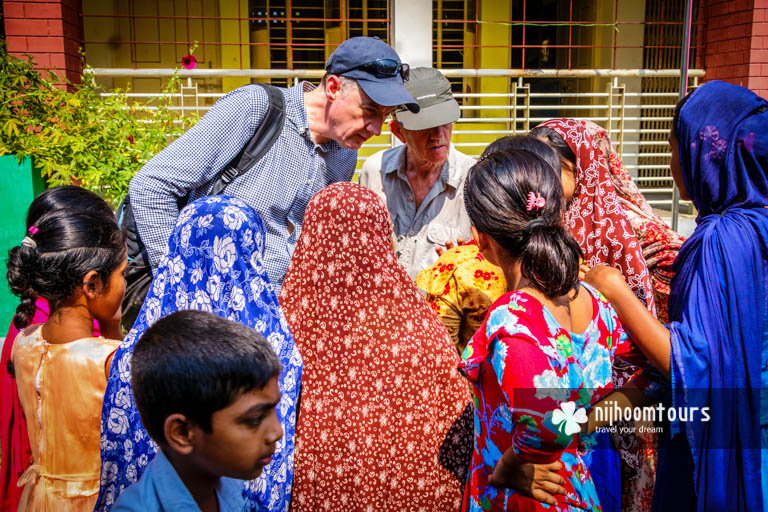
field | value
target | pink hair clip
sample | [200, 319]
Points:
[32, 230]
[535, 201]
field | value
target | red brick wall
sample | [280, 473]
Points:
[50, 31]
[758, 79]
[736, 43]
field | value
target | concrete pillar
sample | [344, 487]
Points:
[412, 31]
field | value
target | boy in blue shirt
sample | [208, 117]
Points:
[206, 390]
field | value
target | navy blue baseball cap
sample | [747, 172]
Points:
[376, 67]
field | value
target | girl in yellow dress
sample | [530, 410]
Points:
[75, 260]
[460, 288]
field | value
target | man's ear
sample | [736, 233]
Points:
[180, 433]
[397, 130]
[332, 87]
[92, 285]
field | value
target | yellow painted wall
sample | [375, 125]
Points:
[234, 56]
[259, 54]
[494, 34]
[491, 34]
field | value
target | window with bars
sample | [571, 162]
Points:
[663, 33]
[301, 31]
[546, 34]
[263, 34]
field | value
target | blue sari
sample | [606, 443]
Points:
[213, 263]
[718, 303]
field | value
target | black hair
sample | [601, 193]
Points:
[66, 197]
[528, 143]
[196, 363]
[52, 261]
[556, 141]
[496, 194]
[676, 113]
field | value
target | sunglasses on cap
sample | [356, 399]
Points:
[383, 67]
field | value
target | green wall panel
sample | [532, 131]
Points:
[19, 184]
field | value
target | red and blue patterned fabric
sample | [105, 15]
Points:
[533, 383]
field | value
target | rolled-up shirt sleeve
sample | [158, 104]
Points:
[191, 164]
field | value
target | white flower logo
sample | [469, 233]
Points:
[567, 418]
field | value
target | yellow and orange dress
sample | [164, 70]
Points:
[460, 288]
[61, 389]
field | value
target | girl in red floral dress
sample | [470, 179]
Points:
[545, 353]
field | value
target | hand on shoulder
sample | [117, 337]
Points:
[607, 280]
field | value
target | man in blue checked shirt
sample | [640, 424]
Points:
[324, 127]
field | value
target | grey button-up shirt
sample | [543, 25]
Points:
[440, 217]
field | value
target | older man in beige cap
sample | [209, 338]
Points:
[422, 181]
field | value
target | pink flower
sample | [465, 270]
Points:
[189, 61]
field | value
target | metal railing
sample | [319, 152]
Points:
[638, 122]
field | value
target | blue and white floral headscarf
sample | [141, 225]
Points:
[213, 263]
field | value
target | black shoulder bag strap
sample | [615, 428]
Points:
[261, 142]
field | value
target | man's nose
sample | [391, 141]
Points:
[440, 132]
[374, 126]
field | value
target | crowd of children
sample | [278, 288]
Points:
[347, 391]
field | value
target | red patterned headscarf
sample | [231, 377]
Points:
[659, 242]
[595, 216]
[384, 417]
